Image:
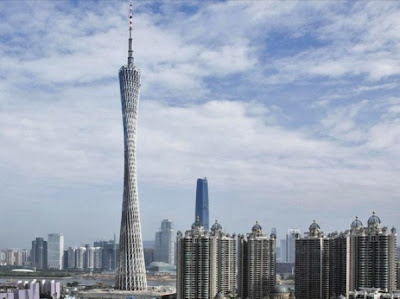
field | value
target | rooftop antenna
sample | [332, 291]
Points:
[130, 50]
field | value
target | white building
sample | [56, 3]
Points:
[55, 251]
[71, 258]
[291, 237]
[80, 257]
[98, 258]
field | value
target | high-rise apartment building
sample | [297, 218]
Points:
[312, 265]
[131, 273]
[361, 257]
[89, 257]
[202, 203]
[206, 262]
[55, 251]
[39, 253]
[164, 250]
[257, 264]
[98, 258]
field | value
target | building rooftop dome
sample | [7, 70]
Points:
[356, 223]
[279, 289]
[220, 295]
[196, 223]
[256, 227]
[374, 220]
[216, 226]
[341, 297]
[314, 226]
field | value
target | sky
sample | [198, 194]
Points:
[291, 110]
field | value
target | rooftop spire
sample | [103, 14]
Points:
[130, 50]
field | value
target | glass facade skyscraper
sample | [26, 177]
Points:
[202, 203]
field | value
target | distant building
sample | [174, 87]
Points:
[71, 258]
[291, 237]
[98, 258]
[283, 251]
[55, 251]
[39, 253]
[110, 254]
[206, 262]
[164, 250]
[257, 264]
[80, 254]
[202, 203]
[89, 257]
[148, 256]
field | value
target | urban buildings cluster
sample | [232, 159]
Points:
[31, 290]
[52, 255]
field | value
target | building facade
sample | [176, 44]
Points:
[39, 253]
[257, 264]
[131, 274]
[206, 262]
[110, 254]
[202, 203]
[291, 237]
[55, 251]
[164, 250]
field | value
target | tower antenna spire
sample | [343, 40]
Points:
[130, 50]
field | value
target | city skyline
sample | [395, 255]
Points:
[296, 118]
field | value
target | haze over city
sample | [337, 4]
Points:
[290, 109]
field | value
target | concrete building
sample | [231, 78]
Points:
[39, 253]
[55, 251]
[206, 262]
[131, 274]
[257, 264]
[148, 256]
[312, 265]
[164, 250]
[89, 257]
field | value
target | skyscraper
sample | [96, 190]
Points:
[39, 253]
[165, 243]
[202, 203]
[257, 264]
[131, 273]
[55, 251]
[206, 262]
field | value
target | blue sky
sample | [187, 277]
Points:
[291, 109]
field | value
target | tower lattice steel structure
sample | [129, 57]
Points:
[131, 273]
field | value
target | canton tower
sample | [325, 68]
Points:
[131, 273]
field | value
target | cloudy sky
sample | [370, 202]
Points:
[290, 109]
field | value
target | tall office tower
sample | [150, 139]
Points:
[65, 259]
[291, 244]
[131, 273]
[18, 257]
[98, 258]
[202, 202]
[55, 251]
[26, 256]
[257, 264]
[206, 262]
[71, 258]
[39, 253]
[80, 253]
[164, 250]
[312, 265]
